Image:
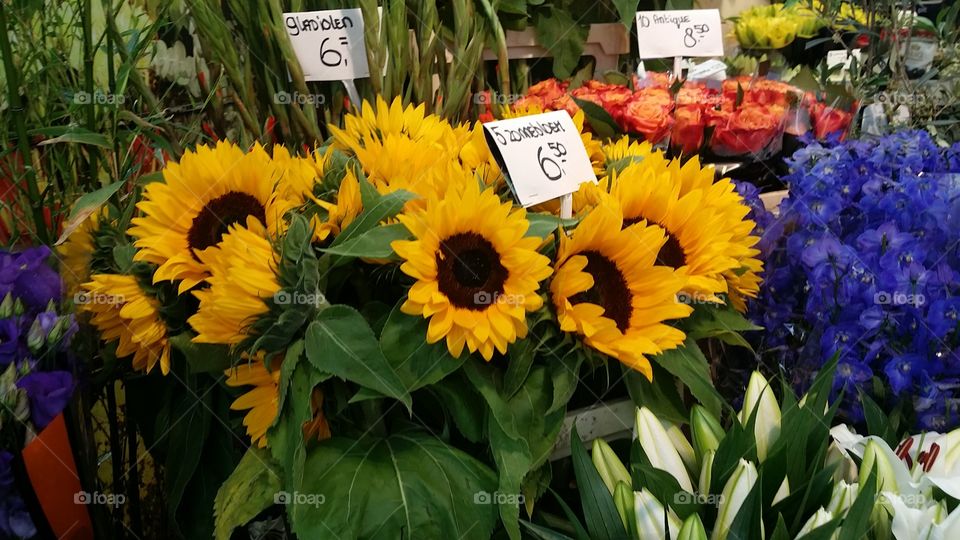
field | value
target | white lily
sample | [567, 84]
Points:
[929, 522]
[846, 469]
[918, 464]
[760, 397]
[820, 518]
[623, 500]
[656, 444]
[651, 516]
[734, 493]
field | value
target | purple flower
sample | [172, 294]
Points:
[12, 347]
[48, 393]
[15, 521]
[28, 277]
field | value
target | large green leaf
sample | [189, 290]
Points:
[376, 208]
[627, 10]
[87, 205]
[522, 433]
[202, 357]
[251, 488]
[599, 119]
[659, 395]
[373, 244]
[340, 342]
[184, 444]
[562, 36]
[599, 511]
[688, 364]
[720, 321]
[407, 485]
[417, 363]
[543, 225]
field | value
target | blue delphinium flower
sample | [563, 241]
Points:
[15, 521]
[869, 272]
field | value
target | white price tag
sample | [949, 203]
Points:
[685, 32]
[329, 44]
[542, 155]
[843, 59]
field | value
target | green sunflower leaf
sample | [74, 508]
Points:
[543, 225]
[373, 244]
[202, 357]
[688, 364]
[599, 119]
[403, 342]
[250, 489]
[340, 342]
[407, 485]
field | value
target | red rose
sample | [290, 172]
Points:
[748, 130]
[828, 120]
[688, 129]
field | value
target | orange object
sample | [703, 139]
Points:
[53, 474]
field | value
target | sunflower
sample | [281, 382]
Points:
[200, 198]
[623, 152]
[76, 254]
[122, 311]
[342, 211]
[476, 156]
[263, 400]
[743, 280]
[396, 146]
[477, 274]
[609, 289]
[242, 276]
[699, 235]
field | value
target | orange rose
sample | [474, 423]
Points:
[828, 120]
[748, 130]
[649, 115]
[688, 129]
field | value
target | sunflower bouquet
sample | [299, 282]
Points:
[392, 326]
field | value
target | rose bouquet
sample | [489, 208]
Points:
[744, 117]
[392, 326]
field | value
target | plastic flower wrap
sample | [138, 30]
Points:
[868, 272]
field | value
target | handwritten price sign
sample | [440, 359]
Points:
[329, 44]
[542, 155]
[688, 32]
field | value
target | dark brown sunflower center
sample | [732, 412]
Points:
[218, 214]
[469, 271]
[609, 289]
[671, 254]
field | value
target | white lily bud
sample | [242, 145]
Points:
[706, 471]
[875, 457]
[846, 469]
[680, 442]
[783, 492]
[651, 516]
[705, 430]
[692, 529]
[843, 496]
[760, 396]
[659, 450]
[821, 517]
[609, 466]
[734, 493]
[623, 500]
